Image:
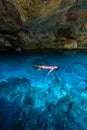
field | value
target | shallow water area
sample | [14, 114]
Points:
[37, 101]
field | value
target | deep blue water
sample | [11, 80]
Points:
[32, 100]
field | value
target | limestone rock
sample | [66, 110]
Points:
[70, 44]
[43, 25]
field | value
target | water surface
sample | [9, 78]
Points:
[32, 100]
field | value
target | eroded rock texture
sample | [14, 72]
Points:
[43, 24]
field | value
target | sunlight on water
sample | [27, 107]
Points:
[37, 101]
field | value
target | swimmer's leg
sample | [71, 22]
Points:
[36, 66]
[50, 71]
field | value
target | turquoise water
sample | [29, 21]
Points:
[32, 100]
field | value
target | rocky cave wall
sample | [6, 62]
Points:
[35, 24]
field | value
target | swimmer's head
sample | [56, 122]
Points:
[56, 68]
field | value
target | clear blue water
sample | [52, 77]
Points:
[32, 100]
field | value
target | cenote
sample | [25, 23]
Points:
[32, 100]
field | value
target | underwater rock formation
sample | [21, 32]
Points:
[35, 24]
[32, 108]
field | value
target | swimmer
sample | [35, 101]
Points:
[51, 68]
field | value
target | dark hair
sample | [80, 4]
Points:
[57, 68]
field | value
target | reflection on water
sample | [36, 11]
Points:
[32, 100]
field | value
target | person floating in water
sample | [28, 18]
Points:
[51, 68]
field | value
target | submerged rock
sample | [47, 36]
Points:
[34, 108]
